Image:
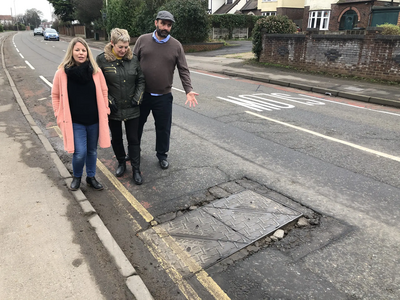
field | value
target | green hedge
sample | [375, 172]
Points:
[272, 24]
[390, 29]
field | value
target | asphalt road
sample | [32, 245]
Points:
[328, 158]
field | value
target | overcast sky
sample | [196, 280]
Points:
[22, 5]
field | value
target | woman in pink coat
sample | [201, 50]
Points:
[80, 104]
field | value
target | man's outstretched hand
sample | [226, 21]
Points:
[191, 99]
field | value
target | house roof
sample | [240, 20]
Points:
[5, 17]
[226, 8]
[250, 5]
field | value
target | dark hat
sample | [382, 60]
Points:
[165, 15]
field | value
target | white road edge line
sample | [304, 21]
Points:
[21, 55]
[392, 157]
[46, 81]
[208, 75]
[30, 66]
[178, 90]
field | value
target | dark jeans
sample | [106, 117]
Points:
[161, 108]
[131, 129]
[85, 142]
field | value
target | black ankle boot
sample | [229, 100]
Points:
[121, 168]
[91, 181]
[137, 177]
[76, 183]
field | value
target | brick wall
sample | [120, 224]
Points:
[370, 55]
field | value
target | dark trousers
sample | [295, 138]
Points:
[161, 108]
[131, 128]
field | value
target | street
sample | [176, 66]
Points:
[334, 162]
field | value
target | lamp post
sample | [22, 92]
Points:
[15, 11]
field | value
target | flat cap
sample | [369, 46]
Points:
[165, 15]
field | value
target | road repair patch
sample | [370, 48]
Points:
[215, 231]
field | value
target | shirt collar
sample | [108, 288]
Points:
[162, 41]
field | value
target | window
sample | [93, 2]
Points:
[319, 19]
[269, 0]
[268, 13]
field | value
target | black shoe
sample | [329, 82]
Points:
[91, 181]
[75, 184]
[120, 169]
[164, 164]
[137, 177]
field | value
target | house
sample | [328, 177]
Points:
[251, 8]
[349, 14]
[294, 9]
[6, 20]
[219, 7]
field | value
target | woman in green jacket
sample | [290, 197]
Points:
[125, 83]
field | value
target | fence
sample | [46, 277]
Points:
[223, 33]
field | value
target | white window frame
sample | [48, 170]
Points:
[268, 13]
[269, 0]
[319, 19]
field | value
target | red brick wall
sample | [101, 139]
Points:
[370, 56]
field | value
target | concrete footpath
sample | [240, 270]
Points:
[53, 243]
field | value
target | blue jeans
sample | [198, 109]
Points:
[85, 141]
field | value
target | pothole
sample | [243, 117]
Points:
[237, 215]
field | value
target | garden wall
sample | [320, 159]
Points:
[366, 54]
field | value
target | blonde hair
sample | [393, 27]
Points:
[69, 61]
[118, 34]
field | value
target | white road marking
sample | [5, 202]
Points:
[29, 65]
[46, 81]
[385, 155]
[17, 49]
[209, 75]
[178, 90]
[359, 107]
[21, 55]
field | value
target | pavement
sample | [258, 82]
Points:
[40, 255]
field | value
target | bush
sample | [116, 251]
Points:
[1, 28]
[390, 29]
[272, 24]
[191, 21]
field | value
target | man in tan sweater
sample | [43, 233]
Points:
[159, 54]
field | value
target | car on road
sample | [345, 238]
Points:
[50, 34]
[38, 31]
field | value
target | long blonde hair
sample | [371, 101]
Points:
[69, 61]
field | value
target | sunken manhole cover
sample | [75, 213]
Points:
[219, 229]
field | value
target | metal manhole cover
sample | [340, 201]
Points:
[219, 229]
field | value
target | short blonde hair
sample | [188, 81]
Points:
[69, 61]
[118, 34]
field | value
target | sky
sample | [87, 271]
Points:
[20, 6]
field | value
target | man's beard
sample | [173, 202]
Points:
[162, 33]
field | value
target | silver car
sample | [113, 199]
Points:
[38, 31]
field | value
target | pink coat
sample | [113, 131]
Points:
[62, 111]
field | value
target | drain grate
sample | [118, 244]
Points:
[219, 229]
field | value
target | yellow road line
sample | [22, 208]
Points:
[201, 275]
[392, 157]
[131, 199]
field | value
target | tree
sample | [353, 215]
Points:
[87, 11]
[64, 9]
[33, 17]
[272, 24]
[191, 20]
[124, 14]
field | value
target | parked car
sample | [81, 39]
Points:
[50, 34]
[38, 31]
